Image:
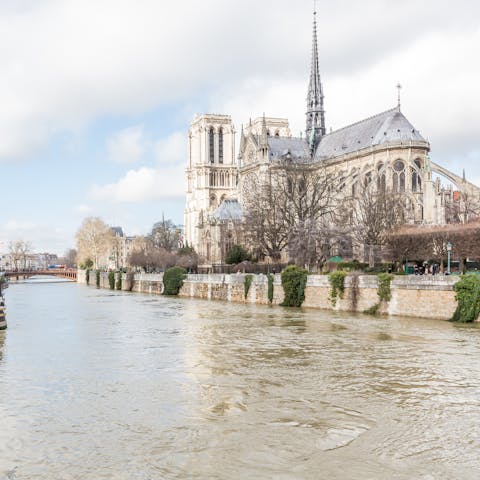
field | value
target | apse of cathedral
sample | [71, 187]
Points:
[385, 145]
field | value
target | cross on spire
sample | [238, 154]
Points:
[399, 87]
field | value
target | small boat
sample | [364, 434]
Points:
[3, 314]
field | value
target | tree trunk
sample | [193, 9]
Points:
[371, 256]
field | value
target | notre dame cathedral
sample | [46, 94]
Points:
[386, 145]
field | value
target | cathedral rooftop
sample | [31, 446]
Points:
[229, 209]
[386, 127]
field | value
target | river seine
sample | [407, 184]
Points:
[96, 384]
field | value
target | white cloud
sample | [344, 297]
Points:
[144, 184]
[150, 183]
[42, 237]
[127, 145]
[172, 149]
[14, 226]
[83, 209]
[70, 62]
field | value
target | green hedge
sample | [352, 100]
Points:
[337, 282]
[173, 280]
[294, 280]
[468, 299]
[352, 266]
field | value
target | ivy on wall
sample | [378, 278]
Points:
[468, 299]
[294, 280]
[247, 284]
[270, 278]
[173, 280]
[111, 280]
[337, 282]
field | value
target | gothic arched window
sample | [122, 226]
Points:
[211, 145]
[220, 145]
[398, 176]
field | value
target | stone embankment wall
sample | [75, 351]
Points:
[414, 296]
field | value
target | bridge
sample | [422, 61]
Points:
[67, 273]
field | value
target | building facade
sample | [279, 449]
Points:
[385, 148]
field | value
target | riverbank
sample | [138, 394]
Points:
[412, 296]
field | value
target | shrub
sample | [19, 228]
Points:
[383, 290]
[247, 283]
[87, 276]
[270, 278]
[237, 254]
[119, 281]
[337, 282]
[111, 280]
[97, 273]
[351, 266]
[468, 299]
[173, 280]
[294, 280]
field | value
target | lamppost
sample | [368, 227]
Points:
[449, 250]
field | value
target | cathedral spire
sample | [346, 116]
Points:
[315, 112]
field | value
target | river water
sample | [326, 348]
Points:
[97, 384]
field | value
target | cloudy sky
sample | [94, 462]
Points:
[96, 96]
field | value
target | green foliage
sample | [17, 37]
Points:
[119, 281]
[247, 283]
[87, 264]
[97, 273]
[111, 280]
[337, 282]
[383, 291]
[173, 280]
[270, 278]
[379, 268]
[237, 254]
[468, 299]
[186, 250]
[294, 280]
[373, 310]
[351, 266]
[87, 276]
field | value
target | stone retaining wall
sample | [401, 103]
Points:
[415, 296]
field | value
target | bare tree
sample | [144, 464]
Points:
[371, 213]
[94, 240]
[463, 207]
[292, 206]
[19, 251]
[266, 229]
[71, 257]
[165, 234]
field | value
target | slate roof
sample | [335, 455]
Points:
[386, 127]
[117, 231]
[229, 209]
[281, 146]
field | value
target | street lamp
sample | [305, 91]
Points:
[449, 250]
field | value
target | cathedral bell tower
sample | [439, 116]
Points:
[315, 111]
[211, 173]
